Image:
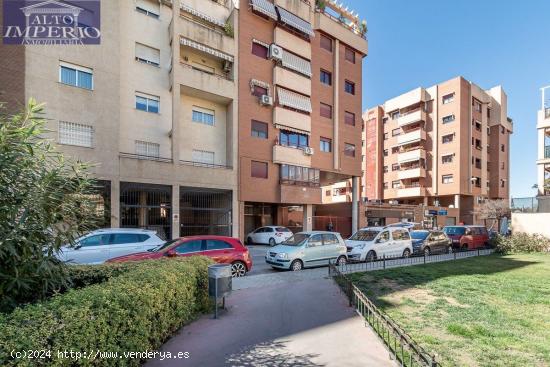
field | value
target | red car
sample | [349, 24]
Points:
[468, 237]
[224, 250]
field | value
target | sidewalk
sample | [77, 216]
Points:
[302, 322]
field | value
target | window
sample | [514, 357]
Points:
[217, 245]
[478, 144]
[502, 183]
[350, 55]
[396, 132]
[385, 168]
[97, 240]
[189, 247]
[502, 148]
[147, 103]
[502, 165]
[477, 163]
[330, 239]
[385, 136]
[448, 119]
[488, 131]
[144, 148]
[295, 175]
[349, 150]
[122, 238]
[259, 91]
[394, 115]
[326, 77]
[326, 145]
[446, 159]
[385, 185]
[503, 130]
[77, 76]
[349, 87]
[326, 110]
[148, 7]
[385, 152]
[315, 241]
[203, 116]
[147, 55]
[258, 169]
[326, 43]
[258, 129]
[401, 235]
[476, 104]
[395, 167]
[396, 184]
[202, 156]
[394, 150]
[71, 133]
[448, 98]
[349, 118]
[294, 140]
[447, 138]
[477, 125]
[447, 179]
[259, 50]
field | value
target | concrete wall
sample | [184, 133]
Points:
[531, 223]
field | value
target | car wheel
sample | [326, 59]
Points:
[249, 241]
[238, 269]
[341, 261]
[272, 242]
[427, 251]
[371, 256]
[296, 265]
[406, 252]
[450, 249]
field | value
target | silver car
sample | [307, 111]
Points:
[308, 249]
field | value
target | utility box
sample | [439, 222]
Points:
[220, 283]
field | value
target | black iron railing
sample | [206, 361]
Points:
[205, 165]
[547, 152]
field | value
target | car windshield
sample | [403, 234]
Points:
[163, 246]
[297, 240]
[454, 230]
[419, 235]
[364, 235]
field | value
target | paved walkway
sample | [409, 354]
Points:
[285, 319]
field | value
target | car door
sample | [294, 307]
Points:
[331, 247]
[383, 244]
[190, 248]
[124, 244]
[257, 236]
[267, 234]
[476, 237]
[314, 253]
[399, 242]
[93, 249]
[219, 251]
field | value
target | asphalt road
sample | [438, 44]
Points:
[259, 266]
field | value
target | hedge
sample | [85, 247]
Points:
[136, 310]
[521, 243]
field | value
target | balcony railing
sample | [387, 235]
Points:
[205, 165]
[145, 157]
[217, 75]
[547, 152]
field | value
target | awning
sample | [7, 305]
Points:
[294, 21]
[293, 100]
[187, 42]
[203, 16]
[292, 129]
[296, 63]
[265, 7]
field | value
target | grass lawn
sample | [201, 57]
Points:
[484, 311]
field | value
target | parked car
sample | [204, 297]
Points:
[269, 235]
[103, 244]
[467, 237]
[429, 242]
[369, 243]
[308, 249]
[223, 250]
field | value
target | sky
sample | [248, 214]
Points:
[489, 42]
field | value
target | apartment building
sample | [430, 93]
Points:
[300, 83]
[442, 146]
[543, 156]
[154, 105]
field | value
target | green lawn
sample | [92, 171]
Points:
[483, 311]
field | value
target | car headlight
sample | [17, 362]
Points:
[282, 255]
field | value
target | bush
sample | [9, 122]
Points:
[521, 242]
[84, 275]
[134, 311]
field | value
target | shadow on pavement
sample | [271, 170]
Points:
[270, 354]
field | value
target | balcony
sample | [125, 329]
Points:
[216, 84]
[300, 8]
[292, 80]
[411, 118]
[284, 117]
[293, 194]
[411, 173]
[292, 43]
[292, 156]
[413, 191]
[411, 137]
[208, 36]
[410, 156]
[346, 34]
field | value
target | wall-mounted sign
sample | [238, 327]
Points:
[442, 212]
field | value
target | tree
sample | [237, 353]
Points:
[494, 210]
[46, 201]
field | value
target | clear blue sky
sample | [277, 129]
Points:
[489, 42]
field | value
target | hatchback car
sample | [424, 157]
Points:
[308, 249]
[369, 243]
[269, 235]
[467, 237]
[103, 244]
[223, 250]
[427, 243]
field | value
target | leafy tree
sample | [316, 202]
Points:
[46, 201]
[494, 210]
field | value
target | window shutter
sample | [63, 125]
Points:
[147, 53]
[149, 5]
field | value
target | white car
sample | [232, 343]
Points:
[269, 235]
[370, 243]
[103, 244]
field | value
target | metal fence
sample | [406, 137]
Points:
[540, 204]
[404, 349]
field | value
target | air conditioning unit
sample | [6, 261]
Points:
[226, 66]
[308, 151]
[266, 100]
[275, 52]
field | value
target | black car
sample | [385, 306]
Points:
[430, 242]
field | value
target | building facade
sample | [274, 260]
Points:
[543, 156]
[300, 82]
[154, 106]
[442, 146]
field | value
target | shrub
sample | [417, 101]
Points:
[84, 275]
[521, 242]
[134, 311]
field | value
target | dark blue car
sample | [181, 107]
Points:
[430, 242]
